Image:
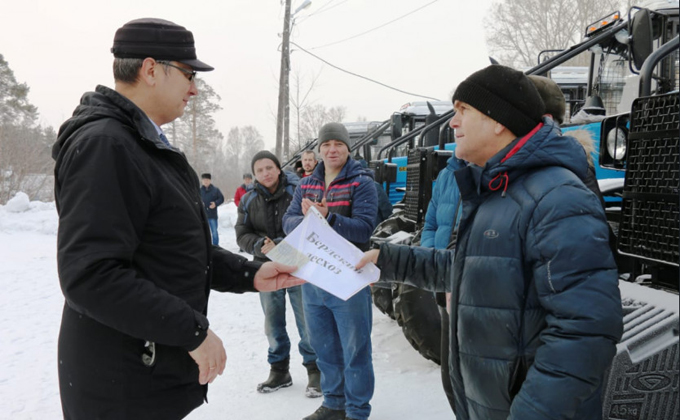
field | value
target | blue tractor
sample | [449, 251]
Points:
[627, 100]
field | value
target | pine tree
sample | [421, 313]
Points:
[25, 162]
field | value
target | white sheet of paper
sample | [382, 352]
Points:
[324, 258]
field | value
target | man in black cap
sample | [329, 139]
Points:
[535, 306]
[212, 198]
[135, 259]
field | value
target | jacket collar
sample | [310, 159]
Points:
[544, 146]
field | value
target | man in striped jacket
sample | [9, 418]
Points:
[340, 331]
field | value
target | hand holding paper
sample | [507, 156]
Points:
[273, 276]
[324, 258]
[369, 257]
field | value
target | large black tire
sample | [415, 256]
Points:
[382, 299]
[418, 314]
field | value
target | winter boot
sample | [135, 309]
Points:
[279, 377]
[325, 413]
[313, 389]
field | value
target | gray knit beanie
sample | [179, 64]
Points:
[263, 154]
[333, 131]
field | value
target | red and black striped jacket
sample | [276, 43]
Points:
[351, 198]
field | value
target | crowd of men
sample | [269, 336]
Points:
[534, 312]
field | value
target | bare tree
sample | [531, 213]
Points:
[314, 116]
[299, 102]
[520, 29]
[234, 160]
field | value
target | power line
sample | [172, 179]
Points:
[323, 8]
[376, 28]
[362, 77]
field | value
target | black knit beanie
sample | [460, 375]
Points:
[264, 154]
[552, 96]
[505, 95]
[333, 131]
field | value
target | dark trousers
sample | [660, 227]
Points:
[446, 379]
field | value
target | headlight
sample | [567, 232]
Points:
[616, 143]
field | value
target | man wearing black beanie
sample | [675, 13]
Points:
[535, 305]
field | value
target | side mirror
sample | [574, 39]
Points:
[641, 45]
[395, 126]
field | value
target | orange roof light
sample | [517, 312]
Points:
[603, 23]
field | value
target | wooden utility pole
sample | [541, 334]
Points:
[282, 115]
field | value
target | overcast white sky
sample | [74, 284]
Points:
[61, 49]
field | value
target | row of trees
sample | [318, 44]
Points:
[520, 29]
[25, 147]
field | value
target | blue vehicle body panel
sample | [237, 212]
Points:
[592, 128]
[394, 195]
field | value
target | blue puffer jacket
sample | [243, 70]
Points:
[442, 208]
[351, 198]
[536, 310]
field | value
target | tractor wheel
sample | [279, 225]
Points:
[417, 312]
[382, 299]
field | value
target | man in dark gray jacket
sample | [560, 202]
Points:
[259, 228]
[535, 306]
[135, 258]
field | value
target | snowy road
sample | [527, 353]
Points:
[407, 386]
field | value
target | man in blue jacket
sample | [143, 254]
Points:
[536, 310]
[212, 198]
[439, 232]
[340, 331]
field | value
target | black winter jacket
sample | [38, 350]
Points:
[260, 214]
[536, 310]
[212, 194]
[135, 263]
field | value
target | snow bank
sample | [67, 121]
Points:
[19, 203]
[227, 214]
[22, 215]
[407, 386]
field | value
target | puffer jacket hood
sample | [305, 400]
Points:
[544, 146]
[107, 103]
[585, 139]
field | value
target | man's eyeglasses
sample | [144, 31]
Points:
[189, 74]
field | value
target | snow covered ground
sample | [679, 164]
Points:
[407, 386]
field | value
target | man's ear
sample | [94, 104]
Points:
[149, 71]
[499, 129]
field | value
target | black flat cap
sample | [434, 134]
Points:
[159, 39]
